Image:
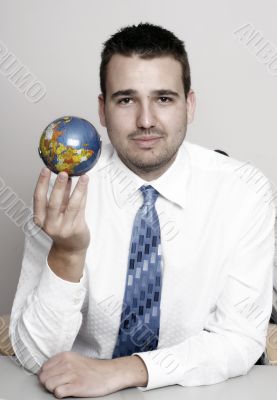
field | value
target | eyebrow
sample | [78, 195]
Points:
[132, 92]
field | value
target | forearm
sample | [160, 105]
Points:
[203, 359]
[67, 265]
[131, 371]
[232, 340]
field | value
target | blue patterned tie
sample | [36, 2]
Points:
[140, 317]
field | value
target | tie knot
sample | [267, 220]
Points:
[149, 195]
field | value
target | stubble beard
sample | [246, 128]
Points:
[138, 164]
[154, 163]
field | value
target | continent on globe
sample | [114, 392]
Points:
[70, 144]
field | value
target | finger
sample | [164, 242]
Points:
[55, 369]
[76, 201]
[40, 196]
[82, 205]
[54, 382]
[66, 195]
[69, 389]
[56, 197]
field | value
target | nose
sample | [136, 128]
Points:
[145, 116]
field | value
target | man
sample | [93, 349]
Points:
[200, 292]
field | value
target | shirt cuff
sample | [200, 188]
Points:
[163, 366]
[59, 294]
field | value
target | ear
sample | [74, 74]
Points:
[191, 104]
[101, 110]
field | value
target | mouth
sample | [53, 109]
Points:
[147, 141]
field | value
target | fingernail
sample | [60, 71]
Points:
[84, 179]
[62, 176]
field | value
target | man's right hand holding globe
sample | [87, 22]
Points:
[62, 218]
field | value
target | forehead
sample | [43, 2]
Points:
[138, 73]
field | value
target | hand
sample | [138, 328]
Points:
[70, 374]
[63, 219]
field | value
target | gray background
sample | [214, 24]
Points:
[60, 42]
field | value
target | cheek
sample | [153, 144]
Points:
[181, 120]
[117, 117]
[175, 125]
[118, 129]
[175, 116]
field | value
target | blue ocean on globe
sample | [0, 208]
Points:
[70, 144]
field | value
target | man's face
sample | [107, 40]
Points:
[145, 112]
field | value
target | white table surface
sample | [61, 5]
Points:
[260, 384]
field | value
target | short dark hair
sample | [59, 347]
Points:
[148, 41]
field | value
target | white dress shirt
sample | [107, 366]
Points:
[217, 234]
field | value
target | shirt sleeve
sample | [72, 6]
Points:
[46, 313]
[234, 334]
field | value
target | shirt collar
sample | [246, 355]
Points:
[172, 185]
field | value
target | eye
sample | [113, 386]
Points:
[165, 99]
[125, 100]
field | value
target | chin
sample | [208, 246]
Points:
[148, 166]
